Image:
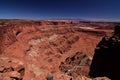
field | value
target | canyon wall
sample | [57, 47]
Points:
[106, 58]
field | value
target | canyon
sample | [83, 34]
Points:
[57, 50]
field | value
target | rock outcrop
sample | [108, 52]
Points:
[11, 69]
[106, 58]
[76, 65]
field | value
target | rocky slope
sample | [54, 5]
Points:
[76, 65]
[106, 58]
[39, 50]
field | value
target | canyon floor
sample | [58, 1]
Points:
[49, 50]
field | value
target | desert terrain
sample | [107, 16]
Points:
[50, 50]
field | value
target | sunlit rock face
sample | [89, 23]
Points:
[106, 58]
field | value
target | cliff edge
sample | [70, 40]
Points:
[106, 58]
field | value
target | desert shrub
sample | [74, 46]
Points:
[49, 77]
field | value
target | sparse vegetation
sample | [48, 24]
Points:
[49, 77]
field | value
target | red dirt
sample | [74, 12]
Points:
[40, 46]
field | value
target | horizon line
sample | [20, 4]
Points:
[65, 18]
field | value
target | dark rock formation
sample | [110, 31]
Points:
[106, 58]
[75, 65]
